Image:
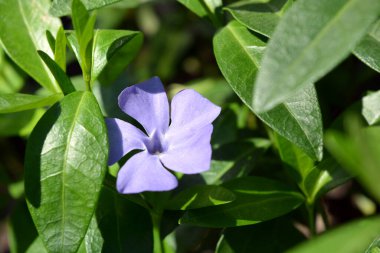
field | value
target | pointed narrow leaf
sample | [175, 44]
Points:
[21, 102]
[85, 48]
[200, 196]
[65, 165]
[113, 50]
[60, 49]
[368, 50]
[238, 54]
[195, 6]
[62, 79]
[310, 40]
[257, 199]
[23, 26]
[79, 17]
[63, 7]
[353, 237]
[259, 17]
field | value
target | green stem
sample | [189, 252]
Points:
[156, 222]
[311, 217]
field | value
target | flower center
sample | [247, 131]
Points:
[156, 144]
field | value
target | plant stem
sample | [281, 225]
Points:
[311, 218]
[156, 222]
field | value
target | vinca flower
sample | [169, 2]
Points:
[180, 142]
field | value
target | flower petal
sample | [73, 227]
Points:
[191, 111]
[189, 153]
[123, 138]
[148, 104]
[144, 172]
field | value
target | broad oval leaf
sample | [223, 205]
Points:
[311, 38]
[259, 17]
[238, 54]
[21, 102]
[23, 26]
[113, 50]
[65, 165]
[257, 199]
[63, 7]
[350, 238]
[200, 196]
[368, 50]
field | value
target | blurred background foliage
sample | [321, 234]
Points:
[178, 48]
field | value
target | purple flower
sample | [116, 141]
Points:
[184, 146]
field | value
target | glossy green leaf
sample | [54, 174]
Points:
[310, 40]
[200, 196]
[60, 49]
[259, 17]
[371, 108]
[51, 40]
[368, 50]
[120, 226]
[257, 199]
[23, 26]
[350, 238]
[313, 180]
[79, 17]
[270, 237]
[37, 247]
[65, 165]
[85, 48]
[235, 159]
[19, 123]
[21, 102]
[325, 176]
[63, 7]
[11, 79]
[58, 73]
[238, 54]
[113, 50]
[359, 152]
[195, 6]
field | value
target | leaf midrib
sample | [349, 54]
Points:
[64, 166]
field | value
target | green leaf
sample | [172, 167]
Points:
[113, 50]
[238, 54]
[204, 8]
[37, 247]
[310, 40]
[19, 123]
[374, 247]
[120, 226]
[85, 48]
[235, 159]
[60, 49]
[270, 237]
[371, 108]
[195, 6]
[368, 50]
[79, 17]
[313, 180]
[22, 33]
[350, 238]
[200, 196]
[66, 159]
[259, 17]
[58, 73]
[11, 79]
[21, 102]
[359, 152]
[20, 230]
[63, 7]
[51, 40]
[257, 199]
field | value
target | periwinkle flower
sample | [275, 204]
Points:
[183, 146]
